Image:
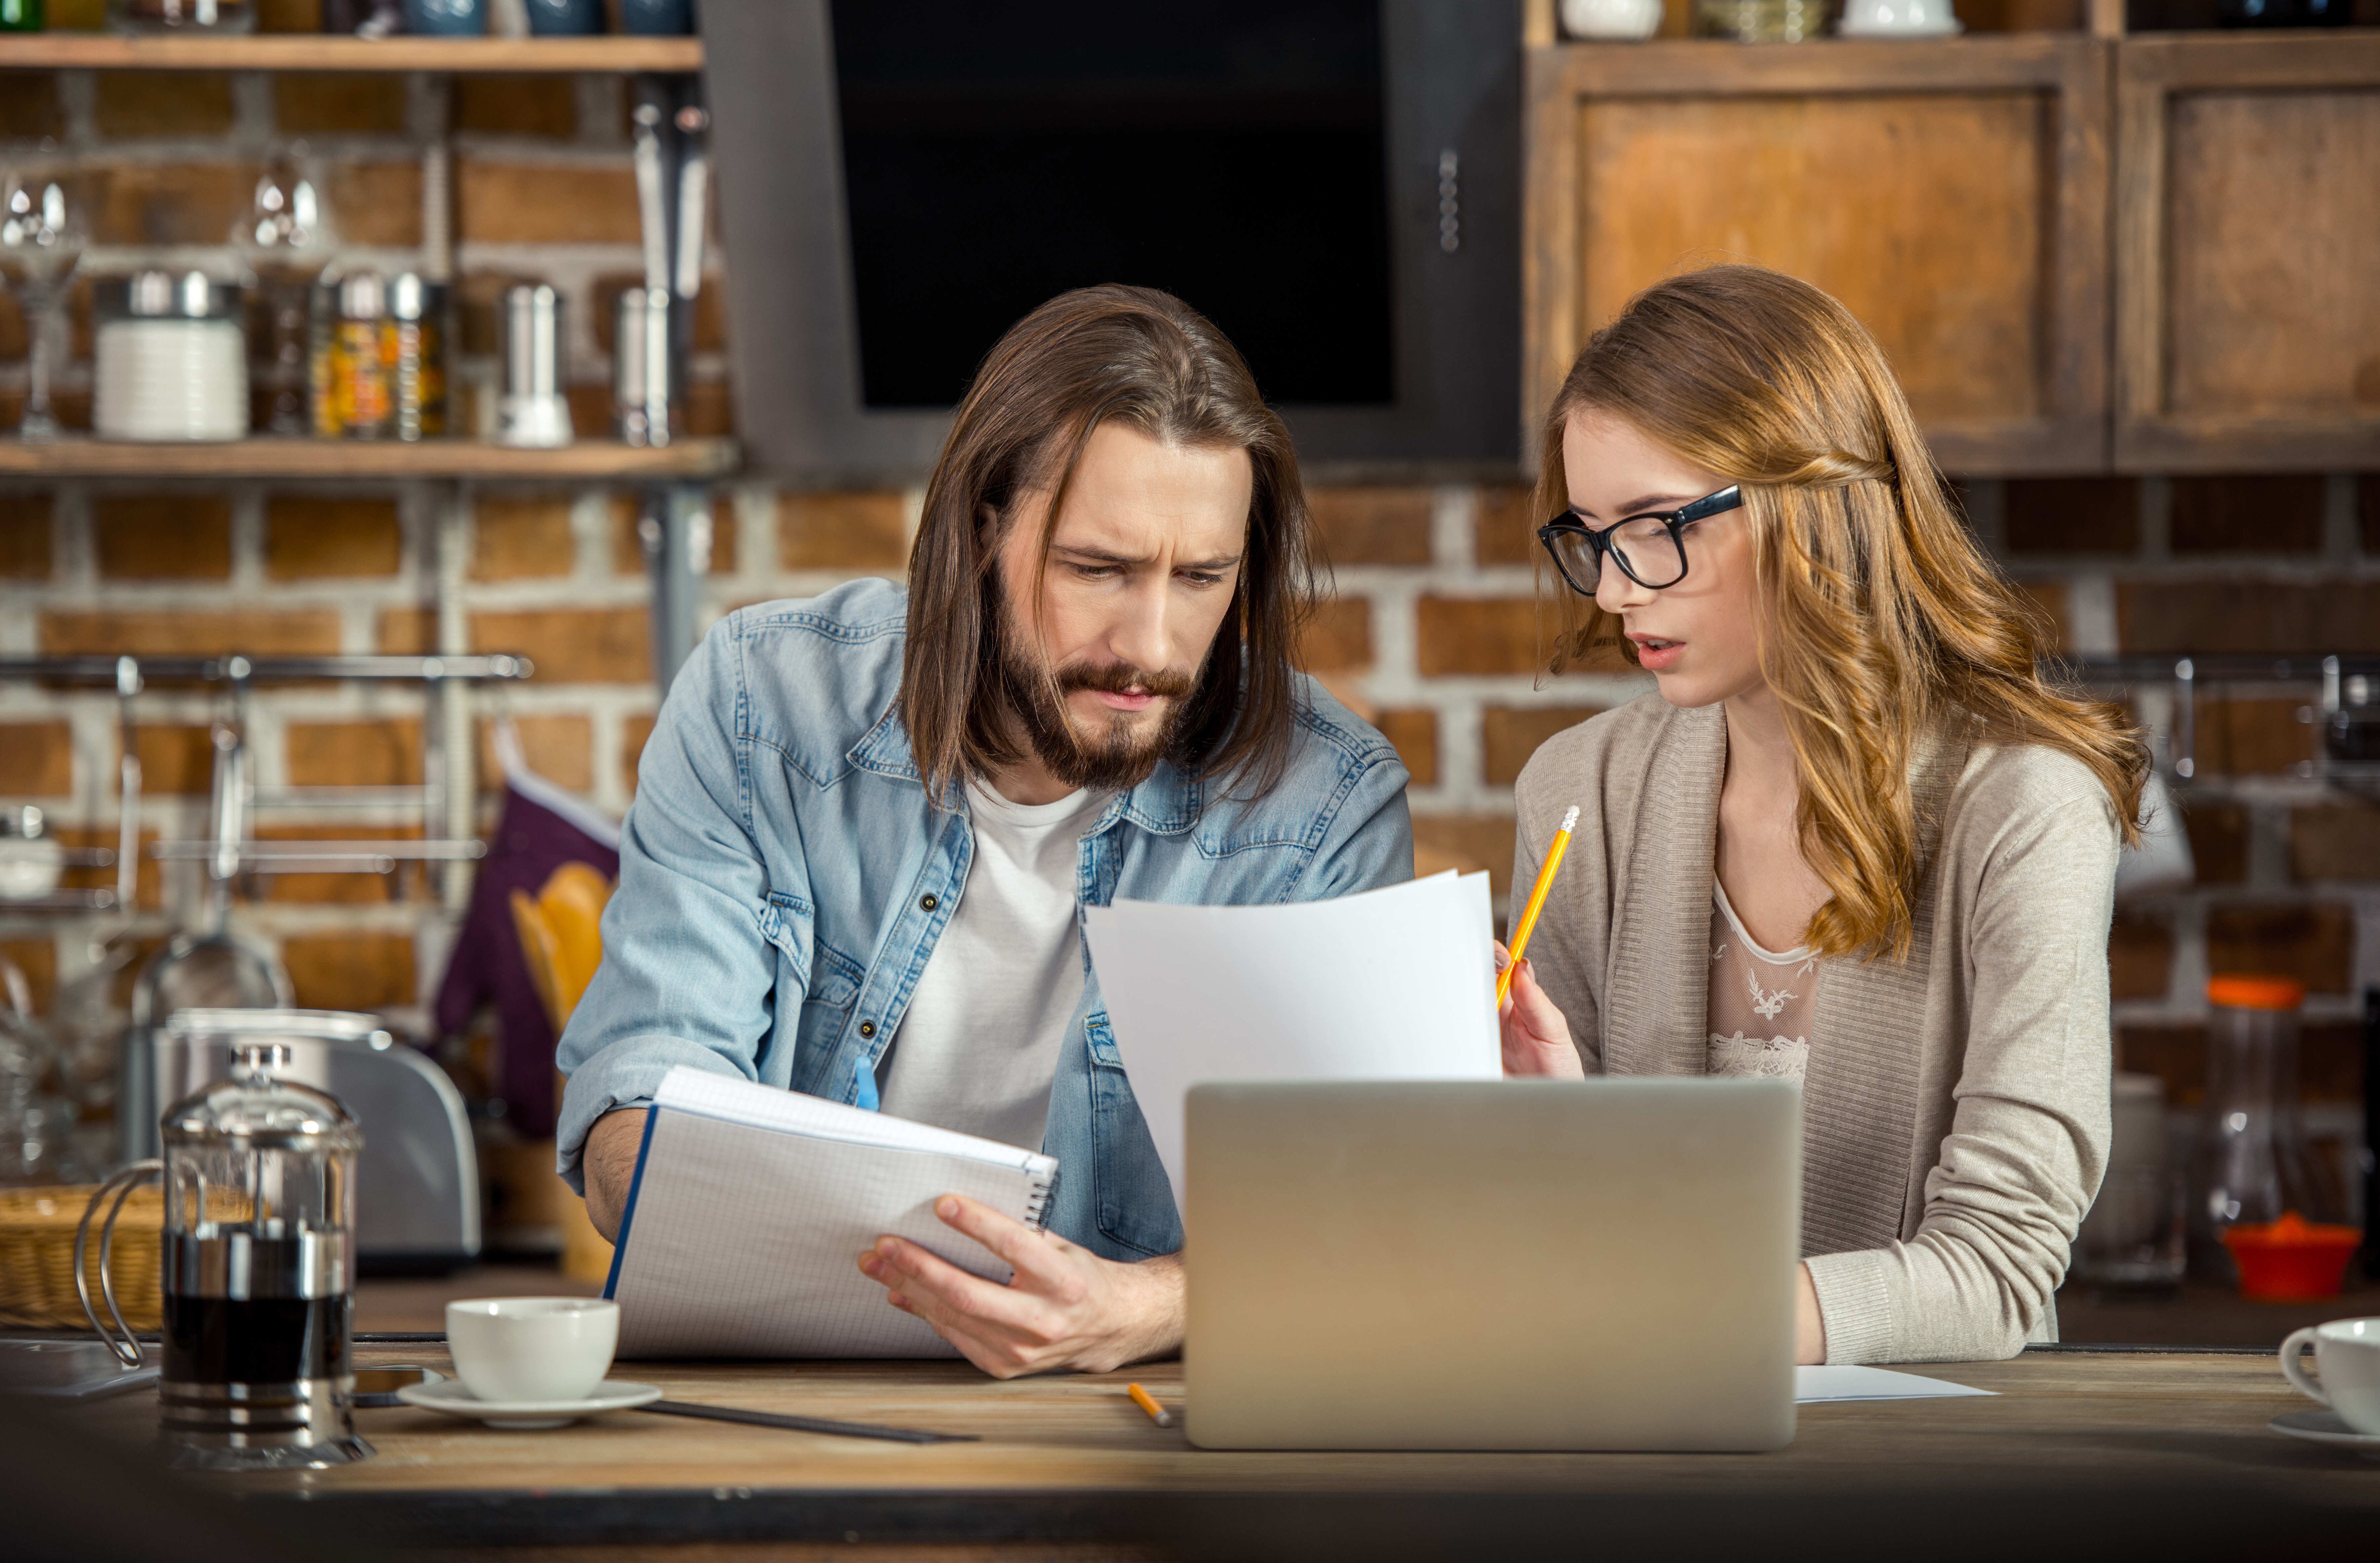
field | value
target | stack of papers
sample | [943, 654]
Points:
[1815, 1385]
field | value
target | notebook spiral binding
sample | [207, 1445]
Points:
[1037, 1207]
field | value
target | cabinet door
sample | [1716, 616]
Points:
[2247, 253]
[1951, 193]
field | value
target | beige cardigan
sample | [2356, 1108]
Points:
[1955, 1118]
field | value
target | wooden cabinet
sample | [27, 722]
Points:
[2247, 253]
[1952, 193]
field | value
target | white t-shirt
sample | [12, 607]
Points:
[977, 1048]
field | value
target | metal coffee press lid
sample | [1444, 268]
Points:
[252, 1110]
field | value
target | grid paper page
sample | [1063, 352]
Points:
[745, 1240]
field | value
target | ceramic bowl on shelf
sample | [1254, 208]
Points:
[1612, 20]
[1898, 18]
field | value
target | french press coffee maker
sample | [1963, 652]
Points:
[259, 1271]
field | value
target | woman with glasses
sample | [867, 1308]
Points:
[1853, 838]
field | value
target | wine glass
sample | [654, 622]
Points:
[42, 236]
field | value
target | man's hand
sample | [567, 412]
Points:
[1536, 1032]
[1067, 1307]
[609, 1165]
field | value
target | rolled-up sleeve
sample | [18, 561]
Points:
[2028, 1140]
[688, 974]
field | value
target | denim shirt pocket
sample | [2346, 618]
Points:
[827, 979]
[1131, 1201]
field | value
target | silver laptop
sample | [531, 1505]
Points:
[1493, 1264]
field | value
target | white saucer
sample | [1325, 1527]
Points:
[2325, 1427]
[448, 1395]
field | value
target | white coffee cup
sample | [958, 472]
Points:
[2348, 1353]
[532, 1349]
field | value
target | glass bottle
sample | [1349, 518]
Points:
[2252, 1166]
[21, 15]
[363, 358]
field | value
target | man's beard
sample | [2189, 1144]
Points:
[1116, 755]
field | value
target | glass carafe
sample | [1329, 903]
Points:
[259, 1271]
[2251, 1166]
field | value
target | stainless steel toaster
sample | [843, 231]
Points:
[418, 1180]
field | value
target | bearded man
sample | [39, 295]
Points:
[866, 823]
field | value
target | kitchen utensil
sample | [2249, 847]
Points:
[1615, 19]
[446, 19]
[2290, 1260]
[170, 359]
[417, 1195]
[66, 1370]
[643, 408]
[181, 15]
[363, 358]
[664, 18]
[31, 858]
[1761, 21]
[258, 1272]
[529, 1416]
[376, 1387]
[804, 1424]
[2251, 1166]
[1898, 18]
[532, 411]
[417, 311]
[545, 1350]
[2326, 1427]
[564, 18]
[2348, 1353]
[42, 232]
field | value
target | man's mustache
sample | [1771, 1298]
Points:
[1122, 678]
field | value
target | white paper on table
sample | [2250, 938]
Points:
[1395, 984]
[1816, 1384]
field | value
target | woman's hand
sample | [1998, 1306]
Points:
[1536, 1033]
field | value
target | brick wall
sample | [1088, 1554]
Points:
[1433, 630]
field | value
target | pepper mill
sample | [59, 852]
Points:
[258, 1272]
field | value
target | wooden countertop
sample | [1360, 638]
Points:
[1071, 1457]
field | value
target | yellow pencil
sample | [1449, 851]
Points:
[1147, 1403]
[1536, 901]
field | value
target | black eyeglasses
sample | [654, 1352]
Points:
[1649, 549]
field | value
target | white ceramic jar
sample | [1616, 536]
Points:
[170, 359]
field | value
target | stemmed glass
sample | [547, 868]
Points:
[42, 236]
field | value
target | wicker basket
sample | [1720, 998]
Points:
[37, 1239]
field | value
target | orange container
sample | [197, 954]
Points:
[2292, 1260]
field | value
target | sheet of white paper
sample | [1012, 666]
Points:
[1395, 984]
[1815, 1385]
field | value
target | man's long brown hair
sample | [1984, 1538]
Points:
[1109, 353]
[1880, 620]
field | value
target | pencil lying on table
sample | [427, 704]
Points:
[1147, 1403]
[1536, 901]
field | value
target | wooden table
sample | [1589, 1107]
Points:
[2138, 1443]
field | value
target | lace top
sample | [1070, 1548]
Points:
[1760, 1001]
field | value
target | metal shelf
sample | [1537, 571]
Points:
[381, 460]
[236, 669]
[332, 51]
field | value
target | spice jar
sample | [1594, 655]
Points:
[170, 358]
[363, 359]
[418, 326]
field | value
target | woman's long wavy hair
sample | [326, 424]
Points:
[1880, 620]
[1109, 353]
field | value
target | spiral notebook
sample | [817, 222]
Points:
[750, 1208]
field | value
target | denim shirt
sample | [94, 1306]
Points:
[784, 878]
